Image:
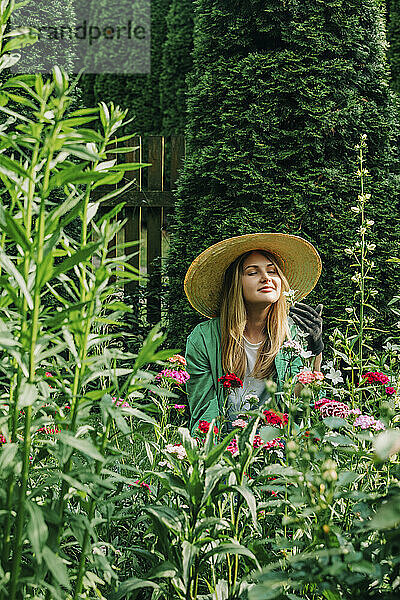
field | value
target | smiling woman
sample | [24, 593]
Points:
[241, 284]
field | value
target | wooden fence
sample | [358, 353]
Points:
[147, 205]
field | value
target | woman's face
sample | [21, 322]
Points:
[261, 282]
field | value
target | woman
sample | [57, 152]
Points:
[240, 284]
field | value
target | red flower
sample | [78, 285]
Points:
[390, 390]
[275, 419]
[204, 426]
[230, 381]
[376, 377]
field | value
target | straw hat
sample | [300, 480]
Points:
[298, 259]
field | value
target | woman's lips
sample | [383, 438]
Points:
[265, 289]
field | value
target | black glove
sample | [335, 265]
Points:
[310, 321]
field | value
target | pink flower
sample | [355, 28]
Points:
[257, 442]
[143, 484]
[48, 374]
[355, 411]
[48, 430]
[120, 402]
[321, 402]
[178, 377]
[233, 447]
[2, 439]
[177, 358]
[368, 422]
[307, 377]
[390, 390]
[334, 409]
[179, 407]
[292, 345]
[276, 443]
[239, 423]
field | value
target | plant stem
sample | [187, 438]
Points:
[92, 506]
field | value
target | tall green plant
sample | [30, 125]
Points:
[55, 461]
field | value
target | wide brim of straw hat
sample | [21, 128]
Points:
[298, 259]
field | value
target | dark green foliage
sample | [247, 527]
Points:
[176, 63]
[277, 100]
[138, 92]
[393, 34]
[143, 91]
[50, 50]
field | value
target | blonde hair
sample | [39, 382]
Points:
[233, 317]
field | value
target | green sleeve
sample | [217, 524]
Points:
[200, 387]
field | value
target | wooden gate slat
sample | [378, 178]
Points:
[148, 198]
[133, 214]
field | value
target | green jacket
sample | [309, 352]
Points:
[203, 358]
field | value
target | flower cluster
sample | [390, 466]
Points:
[178, 377]
[204, 426]
[48, 430]
[390, 390]
[376, 377]
[230, 380]
[233, 447]
[120, 402]
[368, 422]
[177, 449]
[179, 407]
[321, 402]
[307, 377]
[293, 345]
[177, 358]
[239, 423]
[275, 419]
[273, 444]
[334, 409]
[2, 439]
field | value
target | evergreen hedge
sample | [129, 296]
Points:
[278, 97]
[176, 63]
[393, 31]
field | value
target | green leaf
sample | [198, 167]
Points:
[335, 422]
[269, 433]
[83, 445]
[27, 395]
[79, 257]
[167, 516]
[20, 38]
[387, 443]
[8, 164]
[37, 529]
[214, 474]
[189, 553]
[232, 547]
[173, 483]
[8, 453]
[166, 569]
[9, 266]
[82, 152]
[56, 566]
[13, 229]
[251, 501]
[134, 584]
